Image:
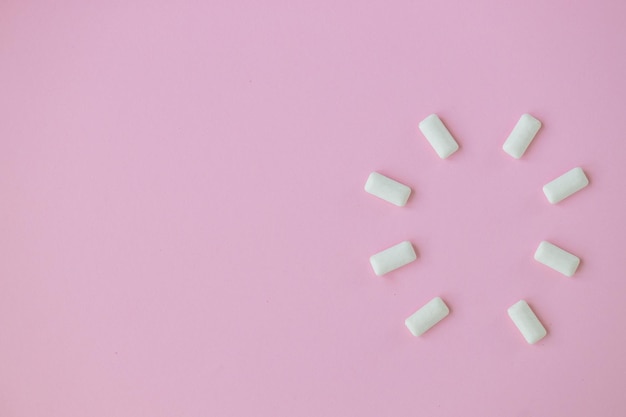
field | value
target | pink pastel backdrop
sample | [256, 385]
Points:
[184, 230]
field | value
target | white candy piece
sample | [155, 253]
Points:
[565, 185]
[426, 317]
[387, 189]
[393, 258]
[527, 322]
[523, 133]
[557, 258]
[439, 137]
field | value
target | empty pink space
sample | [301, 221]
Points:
[184, 230]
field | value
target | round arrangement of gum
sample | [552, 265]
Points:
[548, 254]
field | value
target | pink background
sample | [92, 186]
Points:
[184, 231]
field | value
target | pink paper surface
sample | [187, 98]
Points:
[184, 230]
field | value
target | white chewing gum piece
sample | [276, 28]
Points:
[387, 189]
[393, 258]
[438, 136]
[427, 316]
[567, 184]
[523, 133]
[556, 258]
[527, 322]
